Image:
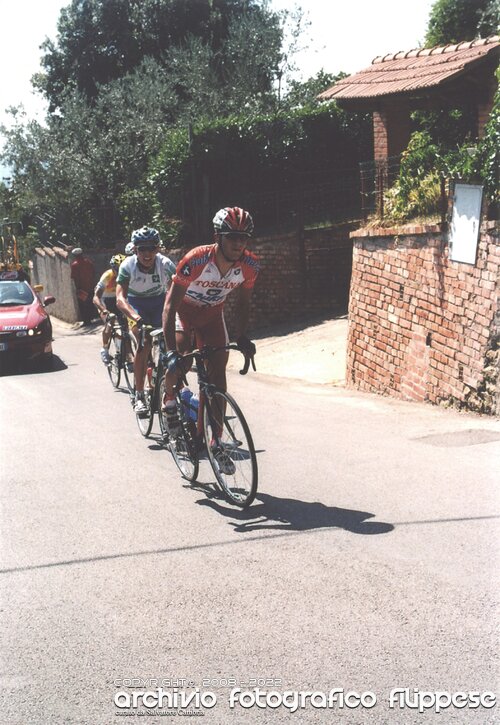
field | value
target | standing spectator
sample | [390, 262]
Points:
[83, 275]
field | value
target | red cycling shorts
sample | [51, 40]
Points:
[207, 324]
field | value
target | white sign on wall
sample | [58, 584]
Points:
[465, 220]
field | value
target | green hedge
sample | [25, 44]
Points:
[238, 156]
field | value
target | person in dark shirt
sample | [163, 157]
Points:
[83, 275]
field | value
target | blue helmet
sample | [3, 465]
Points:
[145, 235]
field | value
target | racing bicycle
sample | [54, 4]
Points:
[154, 374]
[216, 424]
[122, 347]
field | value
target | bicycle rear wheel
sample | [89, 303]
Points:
[129, 374]
[230, 448]
[145, 421]
[114, 369]
[182, 447]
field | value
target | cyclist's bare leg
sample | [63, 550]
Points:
[106, 335]
[140, 362]
[216, 368]
[125, 338]
[183, 343]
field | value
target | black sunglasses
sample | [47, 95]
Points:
[147, 248]
[236, 235]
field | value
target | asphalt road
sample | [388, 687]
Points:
[368, 562]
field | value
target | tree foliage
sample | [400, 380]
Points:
[102, 40]
[452, 21]
[110, 118]
[304, 93]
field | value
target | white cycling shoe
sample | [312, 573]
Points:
[224, 462]
[140, 407]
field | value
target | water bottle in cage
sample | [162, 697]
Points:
[193, 407]
[190, 403]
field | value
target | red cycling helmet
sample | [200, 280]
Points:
[233, 220]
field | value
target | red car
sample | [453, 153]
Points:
[25, 326]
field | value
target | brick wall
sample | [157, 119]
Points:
[301, 274]
[422, 327]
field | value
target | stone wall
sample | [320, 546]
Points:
[51, 268]
[422, 327]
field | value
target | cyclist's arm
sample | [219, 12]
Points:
[97, 300]
[174, 297]
[243, 310]
[122, 302]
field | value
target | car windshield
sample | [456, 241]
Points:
[15, 293]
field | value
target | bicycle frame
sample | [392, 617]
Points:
[206, 388]
[220, 428]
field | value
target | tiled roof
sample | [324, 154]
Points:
[414, 70]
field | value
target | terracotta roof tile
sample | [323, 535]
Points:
[403, 72]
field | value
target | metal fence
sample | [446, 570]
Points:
[313, 199]
[307, 202]
[376, 177]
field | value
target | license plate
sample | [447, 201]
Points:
[3, 346]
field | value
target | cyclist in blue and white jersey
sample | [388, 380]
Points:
[141, 285]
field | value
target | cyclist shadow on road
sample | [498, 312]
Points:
[289, 514]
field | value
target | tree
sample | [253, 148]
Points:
[451, 21]
[304, 93]
[102, 40]
[120, 74]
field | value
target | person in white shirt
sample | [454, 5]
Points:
[142, 282]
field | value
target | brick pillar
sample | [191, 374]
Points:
[391, 130]
[380, 142]
[484, 106]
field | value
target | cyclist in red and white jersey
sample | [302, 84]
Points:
[194, 305]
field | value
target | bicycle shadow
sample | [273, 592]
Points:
[289, 514]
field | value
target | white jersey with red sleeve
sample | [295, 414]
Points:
[205, 286]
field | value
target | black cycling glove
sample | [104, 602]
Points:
[171, 360]
[246, 346]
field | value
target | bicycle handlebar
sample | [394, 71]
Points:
[206, 351]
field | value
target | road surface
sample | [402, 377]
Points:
[368, 562]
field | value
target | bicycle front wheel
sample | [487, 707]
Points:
[183, 446]
[230, 448]
[145, 420]
[128, 361]
[114, 365]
